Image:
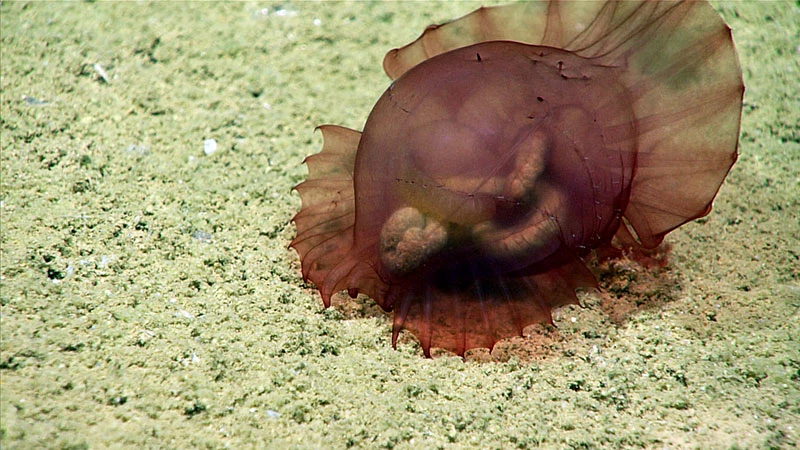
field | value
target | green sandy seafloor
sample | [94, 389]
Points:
[148, 298]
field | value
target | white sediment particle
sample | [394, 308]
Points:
[203, 236]
[209, 146]
[102, 72]
[285, 13]
[138, 149]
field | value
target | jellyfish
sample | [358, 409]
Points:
[512, 145]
